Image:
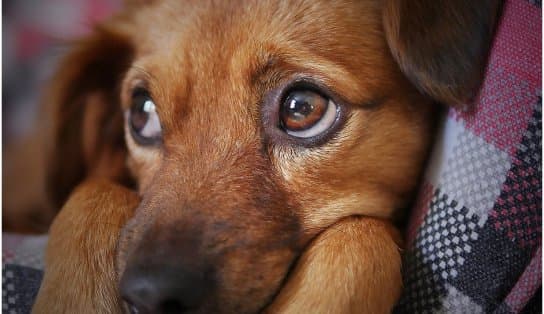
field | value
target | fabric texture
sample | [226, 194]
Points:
[474, 237]
[22, 271]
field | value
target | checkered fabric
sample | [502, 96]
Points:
[474, 240]
[22, 265]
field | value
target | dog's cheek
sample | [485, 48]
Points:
[313, 176]
[143, 163]
[369, 168]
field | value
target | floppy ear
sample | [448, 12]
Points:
[83, 100]
[441, 45]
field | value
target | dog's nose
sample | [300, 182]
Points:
[163, 289]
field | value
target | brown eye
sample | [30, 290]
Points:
[143, 120]
[305, 114]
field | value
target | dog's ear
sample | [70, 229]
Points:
[441, 45]
[83, 99]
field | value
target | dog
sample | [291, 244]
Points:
[248, 156]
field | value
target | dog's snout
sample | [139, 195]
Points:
[163, 289]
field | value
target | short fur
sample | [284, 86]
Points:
[275, 226]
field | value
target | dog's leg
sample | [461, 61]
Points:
[80, 275]
[352, 267]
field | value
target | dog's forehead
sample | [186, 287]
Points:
[228, 37]
[215, 51]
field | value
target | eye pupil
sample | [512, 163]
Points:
[302, 110]
[143, 119]
[138, 116]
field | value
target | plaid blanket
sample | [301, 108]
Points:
[474, 241]
[22, 271]
[474, 238]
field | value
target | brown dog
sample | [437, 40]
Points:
[270, 143]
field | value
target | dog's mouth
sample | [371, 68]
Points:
[279, 288]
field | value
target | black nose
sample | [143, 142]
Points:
[163, 289]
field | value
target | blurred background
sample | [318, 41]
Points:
[34, 35]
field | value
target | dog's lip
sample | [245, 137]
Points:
[305, 241]
[280, 287]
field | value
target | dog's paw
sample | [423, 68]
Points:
[82, 249]
[352, 267]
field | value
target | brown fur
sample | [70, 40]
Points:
[25, 206]
[88, 274]
[282, 227]
[356, 247]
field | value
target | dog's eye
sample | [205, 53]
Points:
[306, 113]
[144, 122]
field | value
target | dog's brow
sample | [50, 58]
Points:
[264, 68]
[138, 69]
[315, 64]
[326, 68]
[329, 72]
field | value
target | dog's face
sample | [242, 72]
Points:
[250, 128]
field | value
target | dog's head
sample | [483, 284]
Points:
[250, 127]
